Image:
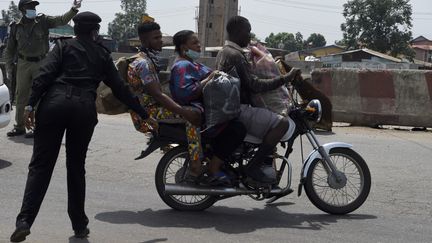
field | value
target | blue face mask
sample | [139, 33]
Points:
[192, 54]
[30, 13]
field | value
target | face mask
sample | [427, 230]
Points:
[30, 13]
[192, 54]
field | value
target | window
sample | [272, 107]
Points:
[210, 25]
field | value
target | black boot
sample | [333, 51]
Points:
[83, 233]
[16, 132]
[21, 232]
[260, 171]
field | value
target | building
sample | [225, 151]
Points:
[315, 52]
[365, 58]
[423, 49]
[212, 19]
[65, 30]
[166, 39]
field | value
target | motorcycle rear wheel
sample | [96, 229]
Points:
[341, 200]
[167, 172]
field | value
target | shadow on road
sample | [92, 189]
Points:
[227, 220]
[4, 164]
[21, 139]
[73, 239]
[156, 240]
[324, 133]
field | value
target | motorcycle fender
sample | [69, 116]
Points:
[316, 155]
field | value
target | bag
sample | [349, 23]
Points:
[265, 67]
[221, 99]
[106, 102]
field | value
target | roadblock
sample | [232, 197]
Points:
[378, 97]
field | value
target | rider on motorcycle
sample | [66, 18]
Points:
[259, 122]
[187, 80]
[144, 81]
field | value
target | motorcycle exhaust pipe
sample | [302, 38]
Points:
[176, 189]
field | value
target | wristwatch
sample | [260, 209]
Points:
[28, 108]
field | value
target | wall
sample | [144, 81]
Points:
[378, 97]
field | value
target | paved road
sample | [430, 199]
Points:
[123, 205]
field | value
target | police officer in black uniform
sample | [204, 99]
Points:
[66, 89]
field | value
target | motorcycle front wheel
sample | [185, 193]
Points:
[342, 198]
[170, 170]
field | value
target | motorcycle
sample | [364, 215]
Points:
[336, 179]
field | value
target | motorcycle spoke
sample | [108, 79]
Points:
[170, 177]
[342, 196]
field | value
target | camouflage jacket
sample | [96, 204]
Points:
[30, 39]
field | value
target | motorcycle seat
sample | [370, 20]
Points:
[252, 139]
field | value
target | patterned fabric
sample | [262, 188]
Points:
[185, 81]
[143, 71]
[192, 133]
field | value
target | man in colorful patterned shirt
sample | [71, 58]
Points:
[143, 78]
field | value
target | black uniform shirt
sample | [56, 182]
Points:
[83, 64]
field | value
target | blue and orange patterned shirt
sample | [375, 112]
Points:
[185, 81]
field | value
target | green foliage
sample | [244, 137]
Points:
[12, 14]
[294, 42]
[254, 37]
[316, 40]
[284, 40]
[383, 25]
[124, 25]
[341, 43]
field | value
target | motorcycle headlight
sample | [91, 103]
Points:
[314, 110]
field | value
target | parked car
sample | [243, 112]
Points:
[5, 105]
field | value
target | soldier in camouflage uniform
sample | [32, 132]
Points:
[29, 41]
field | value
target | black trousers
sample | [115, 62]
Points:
[228, 140]
[60, 112]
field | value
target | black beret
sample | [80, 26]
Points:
[87, 18]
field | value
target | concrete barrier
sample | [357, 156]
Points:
[378, 97]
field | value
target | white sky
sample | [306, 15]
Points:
[266, 16]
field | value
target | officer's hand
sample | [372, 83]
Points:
[152, 124]
[208, 78]
[192, 116]
[29, 119]
[76, 4]
[293, 75]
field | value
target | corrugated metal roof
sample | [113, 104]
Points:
[322, 47]
[423, 47]
[374, 53]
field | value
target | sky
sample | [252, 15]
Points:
[265, 16]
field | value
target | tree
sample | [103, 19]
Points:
[12, 14]
[124, 25]
[341, 43]
[383, 26]
[285, 41]
[315, 40]
[254, 37]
